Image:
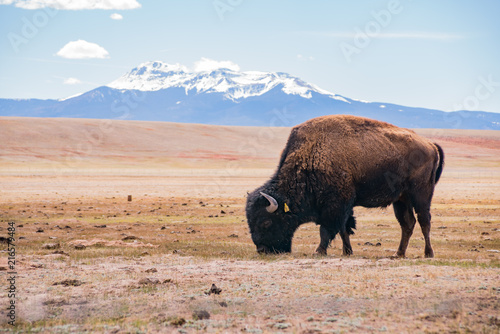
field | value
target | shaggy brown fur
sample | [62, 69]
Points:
[333, 163]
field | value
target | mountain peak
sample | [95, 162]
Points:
[159, 66]
[214, 77]
[152, 69]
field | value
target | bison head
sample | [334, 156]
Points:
[270, 222]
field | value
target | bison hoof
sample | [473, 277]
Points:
[320, 252]
[347, 252]
[429, 255]
[399, 255]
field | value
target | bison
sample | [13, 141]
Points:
[331, 164]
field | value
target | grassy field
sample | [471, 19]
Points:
[90, 260]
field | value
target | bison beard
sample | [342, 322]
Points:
[331, 164]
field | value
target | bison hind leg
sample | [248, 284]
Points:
[346, 243]
[403, 211]
[424, 219]
[422, 205]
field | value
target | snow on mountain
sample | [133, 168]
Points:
[69, 97]
[235, 85]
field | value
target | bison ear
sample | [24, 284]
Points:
[273, 204]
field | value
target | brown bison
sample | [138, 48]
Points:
[333, 163]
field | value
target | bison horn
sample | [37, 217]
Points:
[273, 204]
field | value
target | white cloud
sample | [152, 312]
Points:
[82, 50]
[72, 81]
[206, 64]
[116, 16]
[73, 4]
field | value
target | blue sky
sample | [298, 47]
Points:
[426, 53]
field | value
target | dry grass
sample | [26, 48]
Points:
[198, 245]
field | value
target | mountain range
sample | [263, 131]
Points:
[156, 91]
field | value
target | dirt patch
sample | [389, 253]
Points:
[109, 243]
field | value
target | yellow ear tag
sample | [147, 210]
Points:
[286, 208]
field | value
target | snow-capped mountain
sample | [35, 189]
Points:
[157, 91]
[234, 85]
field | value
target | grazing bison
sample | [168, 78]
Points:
[333, 163]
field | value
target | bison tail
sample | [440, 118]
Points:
[439, 169]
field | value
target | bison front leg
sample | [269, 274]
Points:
[325, 240]
[346, 244]
[327, 236]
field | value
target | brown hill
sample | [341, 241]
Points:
[162, 144]
[159, 144]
